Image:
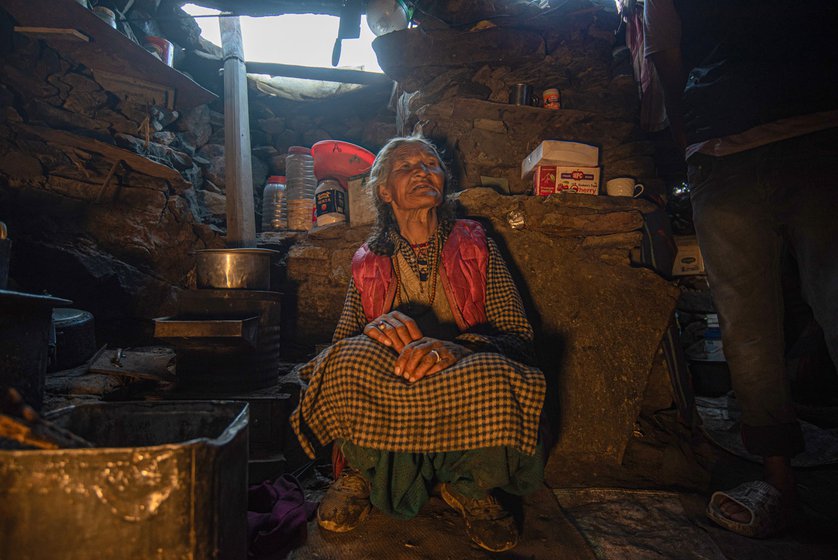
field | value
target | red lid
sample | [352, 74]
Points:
[276, 179]
[299, 150]
[340, 160]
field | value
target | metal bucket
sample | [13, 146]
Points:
[167, 480]
[238, 269]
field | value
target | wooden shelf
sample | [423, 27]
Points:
[108, 52]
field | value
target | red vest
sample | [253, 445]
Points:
[465, 258]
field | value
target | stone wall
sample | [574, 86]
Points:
[100, 194]
[455, 84]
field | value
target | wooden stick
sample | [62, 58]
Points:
[18, 431]
[20, 422]
[107, 180]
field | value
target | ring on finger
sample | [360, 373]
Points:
[438, 357]
[382, 325]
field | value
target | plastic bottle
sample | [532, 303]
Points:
[330, 202]
[274, 205]
[300, 186]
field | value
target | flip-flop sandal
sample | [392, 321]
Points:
[763, 502]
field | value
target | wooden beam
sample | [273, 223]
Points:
[258, 8]
[57, 33]
[241, 216]
[341, 75]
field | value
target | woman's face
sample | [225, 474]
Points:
[416, 179]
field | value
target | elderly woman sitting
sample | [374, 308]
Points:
[426, 380]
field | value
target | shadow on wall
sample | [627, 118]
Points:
[550, 347]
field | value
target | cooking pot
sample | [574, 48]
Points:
[238, 269]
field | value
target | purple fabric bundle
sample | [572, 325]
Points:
[277, 517]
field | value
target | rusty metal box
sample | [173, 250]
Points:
[166, 480]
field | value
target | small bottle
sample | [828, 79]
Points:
[274, 205]
[330, 202]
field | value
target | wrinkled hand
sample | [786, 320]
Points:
[427, 356]
[394, 329]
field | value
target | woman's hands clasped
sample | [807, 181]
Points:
[394, 329]
[427, 356]
[419, 356]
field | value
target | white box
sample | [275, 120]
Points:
[361, 206]
[560, 153]
[688, 259]
[550, 179]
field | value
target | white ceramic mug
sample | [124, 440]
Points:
[623, 186]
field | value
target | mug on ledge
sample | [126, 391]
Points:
[521, 94]
[623, 186]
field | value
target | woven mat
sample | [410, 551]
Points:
[720, 420]
[637, 524]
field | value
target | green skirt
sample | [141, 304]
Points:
[401, 482]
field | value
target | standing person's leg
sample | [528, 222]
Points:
[807, 200]
[741, 243]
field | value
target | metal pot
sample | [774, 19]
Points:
[238, 269]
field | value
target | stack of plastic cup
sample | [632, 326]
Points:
[299, 187]
[274, 205]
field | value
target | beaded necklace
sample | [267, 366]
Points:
[424, 259]
[422, 252]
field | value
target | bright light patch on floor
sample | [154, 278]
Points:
[298, 39]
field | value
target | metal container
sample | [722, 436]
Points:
[237, 269]
[106, 15]
[25, 333]
[521, 94]
[168, 480]
[75, 337]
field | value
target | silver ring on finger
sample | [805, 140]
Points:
[438, 357]
[382, 325]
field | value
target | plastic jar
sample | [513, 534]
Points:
[330, 202]
[274, 205]
[552, 98]
[299, 187]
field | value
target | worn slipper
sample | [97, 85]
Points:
[763, 502]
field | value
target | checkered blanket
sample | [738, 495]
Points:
[490, 398]
[483, 400]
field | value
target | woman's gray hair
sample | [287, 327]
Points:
[379, 240]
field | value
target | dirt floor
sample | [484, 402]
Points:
[651, 507]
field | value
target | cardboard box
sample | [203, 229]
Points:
[361, 207]
[560, 153]
[550, 179]
[688, 259]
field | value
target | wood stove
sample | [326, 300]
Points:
[226, 341]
